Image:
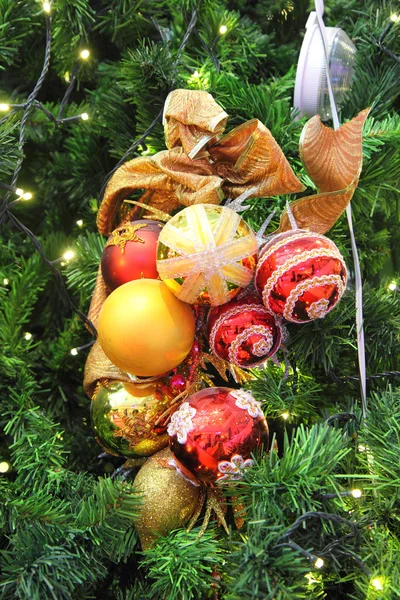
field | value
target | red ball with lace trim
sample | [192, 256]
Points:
[214, 432]
[301, 275]
[130, 253]
[243, 332]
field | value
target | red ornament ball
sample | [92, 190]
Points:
[130, 253]
[213, 434]
[243, 332]
[177, 383]
[301, 275]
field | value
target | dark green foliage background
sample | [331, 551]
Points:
[65, 526]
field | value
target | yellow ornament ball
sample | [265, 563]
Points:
[144, 329]
[206, 254]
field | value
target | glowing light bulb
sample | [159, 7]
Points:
[356, 493]
[4, 107]
[79, 223]
[67, 76]
[74, 351]
[394, 18]
[377, 583]
[196, 74]
[28, 336]
[223, 29]
[361, 448]
[285, 415]
[19, 192]
[392, 286]
[69, 255]
[26, 196]
[84, 116]
[46, 7]
[319, 563]
[6, 281]
[85, 54]
[4, 466]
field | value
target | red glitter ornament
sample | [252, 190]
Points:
[213, 434]
[243, 332]
[130, 253]
[301, 275]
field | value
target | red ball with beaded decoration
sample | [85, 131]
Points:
[214, 432]
[243, 332]
[301, 275]
[130, 253]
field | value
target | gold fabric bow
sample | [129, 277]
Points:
[200, 166]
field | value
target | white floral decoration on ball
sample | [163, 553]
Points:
[246, 401]
[233, 469]
[181, 422]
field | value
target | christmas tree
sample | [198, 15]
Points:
[82, 90]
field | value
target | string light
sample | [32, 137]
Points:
[223, 29]
[69, 255]
[4, 466]
[84, 116]
[79, 223]
[85, 54]
[4, 107]
[394, 18]
[46, 7]
[28, 336]
[196, 74]
[377, 583]
[356, 493]
[74, 351]
[27, 196]
[392, 286]
[319, 563]
[285, 416]
[6, 281]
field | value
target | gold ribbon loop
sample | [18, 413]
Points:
[249, 159]
[192, 119]
[333, 159]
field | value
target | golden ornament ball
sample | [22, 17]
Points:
[144, 329]
[206, 254]
[124, 418]
[169, 500]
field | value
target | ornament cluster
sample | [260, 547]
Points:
[200, 287]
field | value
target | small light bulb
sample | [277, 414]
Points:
[4, 107]
[6, 281]
[196, 74]
[26, 196]
[392, 286]
[19, 192]
[285, 415]
[28, 336]
[4, 466]
[79, 223]
[394, 17]
[377, 583]
[356, 493]
[361, 448]
[74, 351]
[84, 116]
[69, 255]
[223, 29]
[46, 7]
[85, 54]
[62, 263]
[319, 563]
[67, 76]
